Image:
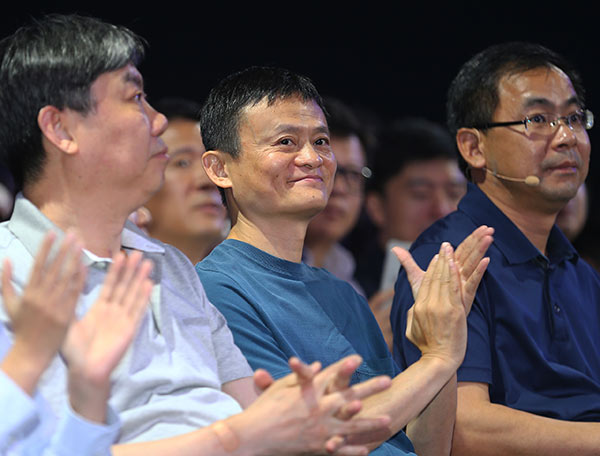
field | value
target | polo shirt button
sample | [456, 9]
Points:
[556, 308]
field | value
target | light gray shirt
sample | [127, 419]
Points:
[29, 427]
[169, 381]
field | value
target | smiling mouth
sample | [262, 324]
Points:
[308, 179]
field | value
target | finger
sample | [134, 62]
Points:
[70, 298]
[9, 295]
[414, 273]
[337, 445]
[136, 293]
[470, 252]
[363, 425]
[304, 372]
[262, 380]
[428, 277]
[440, 277]
[342, 373]
[454, 283]
[41, 257]
[367, 388]
[471, 285]
[55, 268]
[352, 450]
[69, 281]
[127, 274]
[112, 277]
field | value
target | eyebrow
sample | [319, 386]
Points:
[135, 79]
[296, 129]
[540, 101]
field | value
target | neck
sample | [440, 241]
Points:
[95, 221]
[281, 238]
[534, 220]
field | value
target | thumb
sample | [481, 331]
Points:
[413, 272]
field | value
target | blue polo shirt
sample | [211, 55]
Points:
[534, 328]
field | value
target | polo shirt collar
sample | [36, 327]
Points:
[509, 239]
[30, 225]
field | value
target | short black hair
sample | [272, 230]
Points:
[407, 140]
[472, 97]
[221, 112]
[53, 61]
[345, 121]
[178, 108]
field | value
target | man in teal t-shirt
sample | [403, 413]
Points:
[268, 149]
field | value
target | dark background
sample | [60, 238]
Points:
[389, 59]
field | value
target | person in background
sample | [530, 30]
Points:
[416, 181]
[572, 218]
[7, 193]
[322, 247]
[187, 211]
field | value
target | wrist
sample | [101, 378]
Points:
[251, 438]
[440, 364]
[23, 368]
[88, 399]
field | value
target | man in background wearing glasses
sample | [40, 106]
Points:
[530, 380]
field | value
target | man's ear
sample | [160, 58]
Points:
[471, 146]
[214, 163]
[374, 207]
[51, 121]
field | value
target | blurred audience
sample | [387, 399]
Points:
[322, 246]
[187, 212]
[572, 218]
[7, 193]
[416, 180]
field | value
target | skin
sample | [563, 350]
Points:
[101, 167]
[280, 180]
[283, 182]
[187, 211]
[561, 161]
[421, 193]
[344, 204]
[43, 322]
[572, 218]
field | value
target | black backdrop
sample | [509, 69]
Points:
[391, 59]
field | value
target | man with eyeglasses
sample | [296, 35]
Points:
[322, 247]
[530, 380]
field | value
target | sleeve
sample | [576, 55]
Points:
[200, 320]
[477, 365]
[251, 332]
[23, 414]
[231, 362]
[32, 428]
[76, 435]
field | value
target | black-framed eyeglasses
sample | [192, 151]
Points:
[354, 178]
[547, 124]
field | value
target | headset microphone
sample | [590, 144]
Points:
[532, 181]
